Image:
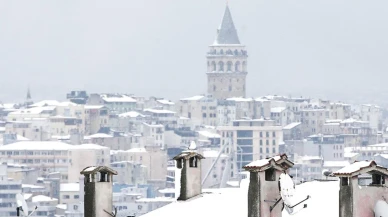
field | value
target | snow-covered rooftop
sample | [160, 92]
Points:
[209, 134]
[137, 150]
[34, 110]
[232, 202]
[47, 145]
[240, 99]
[42, 198]
[277, 109]
[123, 98]
[290, 126]
[212, 154]
[356, 167]
[87, 107]
[159, 111]
[45, 103]
[100, 135]
[193, 98]
[69, 187]
[131, 114]
[165, 102]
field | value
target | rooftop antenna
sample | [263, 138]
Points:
[22, 206]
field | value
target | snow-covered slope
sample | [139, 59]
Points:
[232, 202]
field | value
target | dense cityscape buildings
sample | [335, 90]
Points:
[45, 145]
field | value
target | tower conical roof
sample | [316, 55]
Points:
[227, 33]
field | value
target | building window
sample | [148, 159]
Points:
[273, 134]
[244, 133]
[261, 142]
[273, 142]
[267, 134]
[267, 142]
[76, 196]
[261, 134]
[270, 175]
[204, 115]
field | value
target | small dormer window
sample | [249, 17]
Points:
[378, 179]
[270, 175]
[193, 162]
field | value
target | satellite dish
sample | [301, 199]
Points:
[288, 194]
[381, 209]
[326, 173]
[22, 204]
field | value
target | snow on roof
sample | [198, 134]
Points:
[123, 98]
[69, 187]
[159, 111]
[331, 124]
[261, 99]
[167, 191]
[47, 145]
[32, 186]
[21, 138]
[184, 118]
[306, 158]
[42, 198]
[66, 104]
[209, 134]
[383, 155]
[232, 202]
[100, 135]
[240, 99]
[336, 164]
[193, 98]
[137, 150]
[131, 114]
[262, 162]
[349, 154]
[277, 109]
[34, 110]
[379, 145]
[45, 103]
[27, 196]
[357, 167]
[155, 199]
[93, 107]
[212, 154]
[62, 206]
[165, 102]
[290, 126]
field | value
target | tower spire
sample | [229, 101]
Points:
[227, 33]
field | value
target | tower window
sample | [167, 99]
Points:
[237, 66]
[214, 65]
[214, 87]
[229, 64]
[221, 51]
[230, 88]
[221, 66]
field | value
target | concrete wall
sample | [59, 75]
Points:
[365, 198]
[98, 196]
[190, 181]
[269, 190]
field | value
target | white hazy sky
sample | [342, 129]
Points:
[323, 48]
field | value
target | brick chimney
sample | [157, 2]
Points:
[352, 197]
[98, 191]
[263, 189]
[188, 163]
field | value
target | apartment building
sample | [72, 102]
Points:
[250, 140]
[96, 117]
[202, 110]
[49, 157]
